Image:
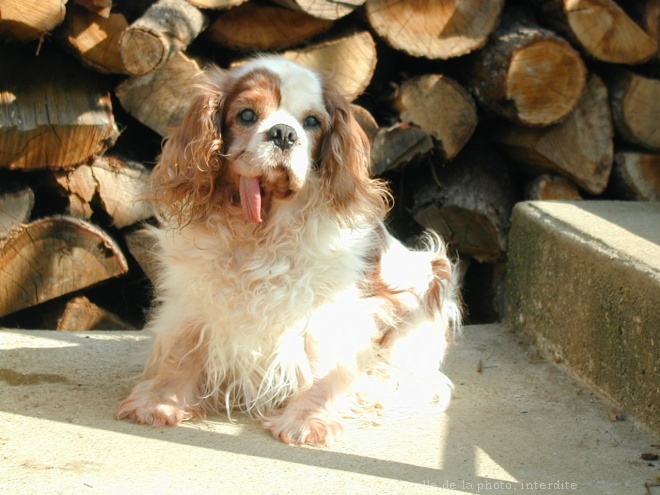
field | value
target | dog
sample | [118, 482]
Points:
[281, 293]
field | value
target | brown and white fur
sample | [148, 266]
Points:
[281, 292]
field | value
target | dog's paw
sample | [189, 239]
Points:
[145, 407]
[311, 427]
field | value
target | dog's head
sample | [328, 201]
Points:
[257, 136]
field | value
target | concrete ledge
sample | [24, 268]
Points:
[583, 281]
[515, 423]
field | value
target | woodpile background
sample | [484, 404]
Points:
[471, 105]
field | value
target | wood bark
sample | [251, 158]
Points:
[95, 39]
[53, 256]
[439, 106]
[111, 185]
[52, 115]
[80, 314]
[167, 27]
[551, 187]
[161, 98]
[397, 146]
[323, 9]
[601, 28]
[468, 202]
[636, 176]
[26, 20]
[527, 74]
[15, 209]
[635, 104]
[436, 29]
[350, 61]
[579, 148]
[263, 27]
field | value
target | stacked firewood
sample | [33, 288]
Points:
[471, 106]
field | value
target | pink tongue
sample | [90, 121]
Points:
[250, 198]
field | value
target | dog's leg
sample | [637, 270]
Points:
[339, 345]
[170, 391]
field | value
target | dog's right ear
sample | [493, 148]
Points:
[183, 182]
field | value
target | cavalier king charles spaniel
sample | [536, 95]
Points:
[281, 292]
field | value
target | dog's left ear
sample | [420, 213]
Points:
[345, 163]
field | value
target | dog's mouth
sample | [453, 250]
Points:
[257, 193]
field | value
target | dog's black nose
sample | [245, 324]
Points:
[283, 136]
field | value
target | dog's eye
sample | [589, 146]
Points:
[311, 122]
[247, 116]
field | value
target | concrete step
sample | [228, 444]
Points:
[516, 422]
[583, 281]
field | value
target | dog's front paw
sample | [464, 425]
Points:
[307, 427]
[143, 406]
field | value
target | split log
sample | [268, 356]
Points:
[26, 20]
[349, 60]
[216, 4]
[167, 27]
[161, 98]
[52, 114]
[636, 176]
[15, 209]
[527, 74]
[54, 256]
[115, 186]
[601, 28]
[142, 246]
[323, 9]
[579, 148]
[551, 187]
[256, 27]
[635, 104]
[468, 201]
[80, 314]
[439, 106]
[435, 29]
[99, 7]
[398, 145]
[94, 39]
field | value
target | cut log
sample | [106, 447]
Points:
[436, 29]
[161, 98]
[167, 27]
[440, 107]
[579, 148]
[635, 104]
[142, 246]
[256, 27]
[216, 4]
[527, 74]
[636, 176]
[99, 7]
[601, 28]
[115, 186]
[551, 187]
[398, 145]
[468, 201]
[80, 314]
[52, 113]
[323, 9]
[26, 20]
[349, 60]
[15, 209]
[95, 39]
[366, 121]
[54, 256]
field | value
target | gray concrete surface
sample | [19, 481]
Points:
[583, 282]
[520, 425]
